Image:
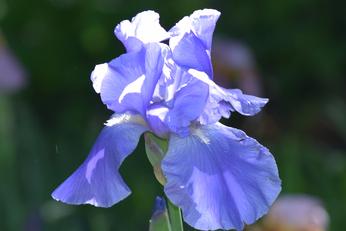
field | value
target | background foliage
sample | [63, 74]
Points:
[47, 128]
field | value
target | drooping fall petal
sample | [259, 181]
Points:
[220, 177]
[97, 181]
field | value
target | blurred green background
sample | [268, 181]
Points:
[48, 126]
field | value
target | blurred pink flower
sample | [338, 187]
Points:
[296, 213]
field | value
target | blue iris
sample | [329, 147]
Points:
[217, 175]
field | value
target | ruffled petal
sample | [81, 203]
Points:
[194, 34]
[176, 113]
[221, 102]
[127, 83]
[189, 52]
[189, 102]
[248, 105]
[201, 22]
[144, 28]
[97, 181]
[220, 177]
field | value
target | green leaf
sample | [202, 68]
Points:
[175, 217]
[160, 219]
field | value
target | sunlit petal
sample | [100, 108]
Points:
[220, 177]
[97, 181]
[144, 28]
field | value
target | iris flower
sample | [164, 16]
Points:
[220, 177]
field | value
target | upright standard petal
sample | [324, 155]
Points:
[194, 34]
[197, 56]
[97, 181]
[220, 177]
[127, 83]
[201, 22]
[144, 28]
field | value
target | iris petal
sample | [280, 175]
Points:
[201, 22]
[156, 116]
[189, 102]
[97, 181]
[221, 102]
[184, 106]
[220, 177]
[127, 83]
[194, 34]
[197, 56]
[144, 28]
[244, 104]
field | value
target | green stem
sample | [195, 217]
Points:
[156, 149]
[175, 217]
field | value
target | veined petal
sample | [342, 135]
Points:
[190, 52]
[97, 181]
[220, 177]
[189, 102]
[144, 28]
[186, 105]
[221, 102]
[127, 83]
[244, 104]
[194, 34]
[201, 22]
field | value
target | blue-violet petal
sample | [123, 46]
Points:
[97, 181]
[127, 83]
[144, 28]
[220, 177]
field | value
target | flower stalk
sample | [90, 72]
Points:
[156, 148]
[175, 217]
[166, 216]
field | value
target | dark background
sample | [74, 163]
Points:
[48, 126]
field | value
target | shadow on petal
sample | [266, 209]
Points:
[97, 181]
[221, 178]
